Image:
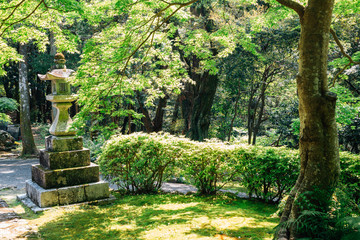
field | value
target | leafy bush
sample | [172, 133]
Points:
[137, 162]
[8, 105]
[268, 172]
[140, 162]
[5, 118]
[208, 164]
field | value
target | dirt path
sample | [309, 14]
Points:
[12, 226]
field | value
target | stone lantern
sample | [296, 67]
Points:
[65, 174]
[61, 97]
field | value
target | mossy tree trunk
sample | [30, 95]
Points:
[28, 142]
[319, 149]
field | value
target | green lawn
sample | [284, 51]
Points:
[161, 217]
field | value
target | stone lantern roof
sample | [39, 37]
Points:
[59, 71]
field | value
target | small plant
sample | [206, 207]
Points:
[95, 146]
[7, 105]
[336, 220]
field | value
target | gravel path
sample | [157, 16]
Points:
[14, 172]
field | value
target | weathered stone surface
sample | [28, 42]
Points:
[7, 142]
[68, 159]
[47, 178]
[74, 194]
[99, 190]
[62, 144]
[40, 196]
[66, 195]
[61, 125]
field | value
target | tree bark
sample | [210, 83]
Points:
[28, 142]
[235, 115]
[197, 100]
[200, 120]
[156, 124]
[159, 115]
[319, 148]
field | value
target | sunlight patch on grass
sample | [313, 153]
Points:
[174, 232]
[176, 206]
[164, 216]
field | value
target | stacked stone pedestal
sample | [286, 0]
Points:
[65, 174]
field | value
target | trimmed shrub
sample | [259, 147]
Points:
[140, 162]
[137, 162]
[209, 166]
[268, 172]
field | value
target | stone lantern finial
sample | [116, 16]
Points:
[60, 61]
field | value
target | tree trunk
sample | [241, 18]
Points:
[156, 124]
[235, 115]
[251, 113]
[175, 115]
[200, 120]
[28, 143]
[159, 116]
[319, 149]
[197, 100]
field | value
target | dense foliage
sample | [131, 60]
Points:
[140, 163]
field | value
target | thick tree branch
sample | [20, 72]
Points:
[12, 12]
[297, 7]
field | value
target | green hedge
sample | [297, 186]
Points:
[268, 172]
[140, 162]
[137, 162]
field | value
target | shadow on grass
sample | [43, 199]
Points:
[164, 217]
[251, 232]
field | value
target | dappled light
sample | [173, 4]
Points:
[166, 217]
[180, 119]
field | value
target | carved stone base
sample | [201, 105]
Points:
[66, 195]
[66, 159]
[47, 178]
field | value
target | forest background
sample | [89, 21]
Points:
[214, 70]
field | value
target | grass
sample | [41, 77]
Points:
[165, 216]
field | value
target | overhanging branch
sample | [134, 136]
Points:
[297, 7]
[351, 61]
